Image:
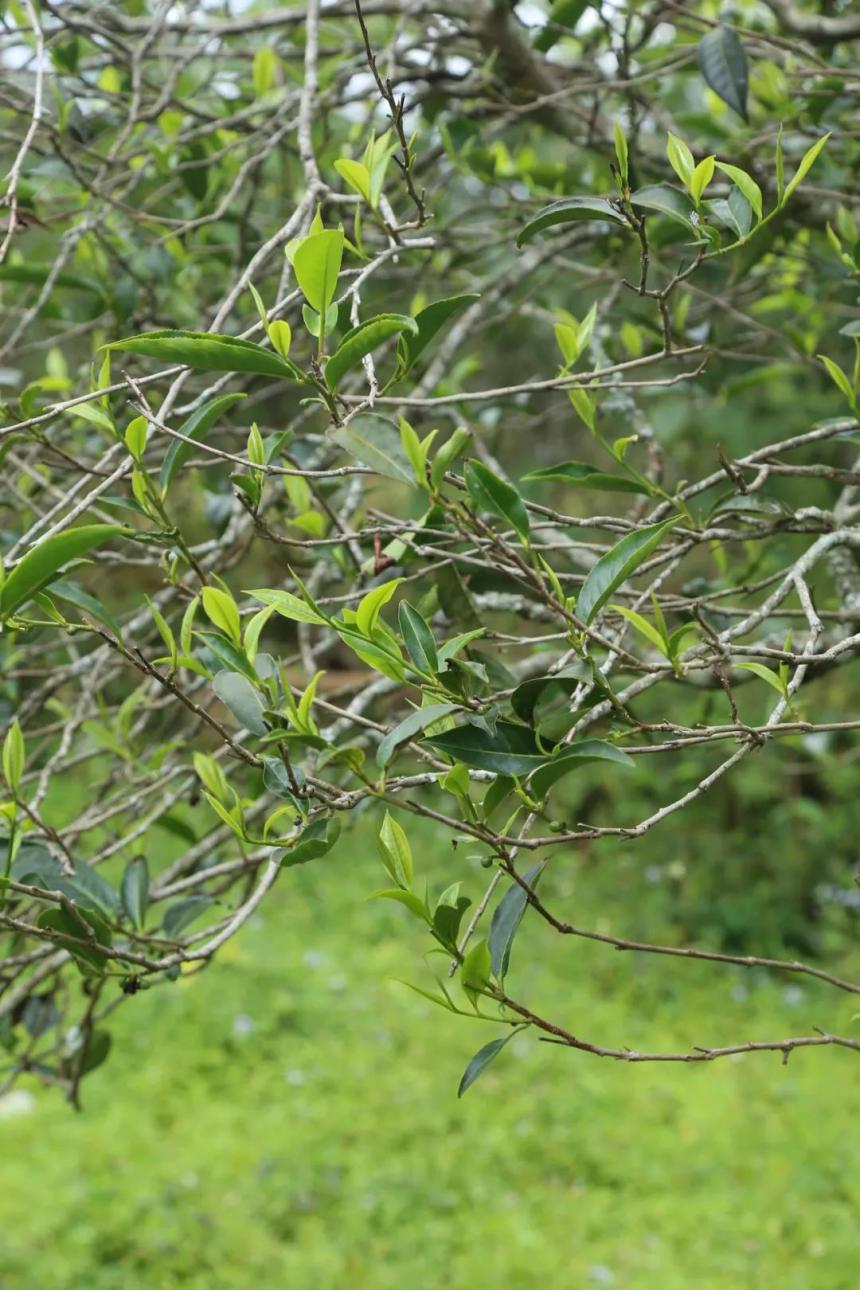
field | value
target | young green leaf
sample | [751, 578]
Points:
[681, 160]
[196, 426]
[362, 340]
[395, 852]
[357, 176]
[836, 375]
[13, 756]
[317, 265]
[613, 568]
[36, 569]
[428, 322]
[221, 609]
[766, 674]
[289, 606]
[745, 183]
[701, 177]
[806, 164]
[206, 352]
[585, 476]
[621, 151]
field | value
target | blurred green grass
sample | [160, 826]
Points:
[289, 1118]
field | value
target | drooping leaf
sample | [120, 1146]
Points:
[481, 1061]
[361, 341]
[564, 14]
[84, 926]
[238, 694]
[724, 66]
[428, 322]
[570, 758]
[195, 427]
[568, 210]
[375, 442]
[36, 569]
[490, 493]
[507, 917]
[613, 568]
[313, 843]
[181, 915]
[667, 201]
[412, 725]
[448, 914]
[134, 890]
[586, 476]
[97, 1051]
[527, 694]
[206, 352]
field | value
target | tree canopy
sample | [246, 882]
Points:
[438, 410]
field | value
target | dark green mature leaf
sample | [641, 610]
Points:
[418, 637]
[525, 697]
[196, 426]
[238, 694]
[563, 14]
[427, 323]
[667, 201]
[724, 66]
[39, 565]
[579, 472]
[417, 721]
[207, 352]
[315, 841]
[84, 886]
[183, 914]
[490, 493]
[97, 1051]
[82, 925]
[361, 341]
[569, 209]
[36, 272]
[571, 758]
[481, 1061]
[511, 750]
[375, 442]
[507, 917]
[616, 566]
[134, 890]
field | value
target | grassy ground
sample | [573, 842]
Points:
[289, 1119]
